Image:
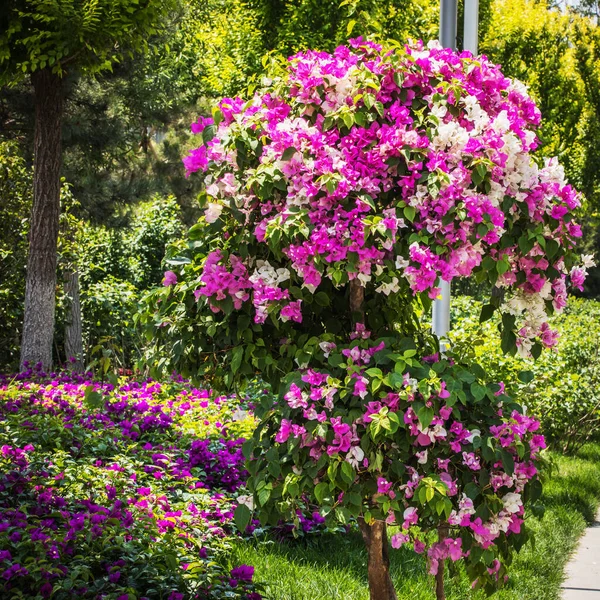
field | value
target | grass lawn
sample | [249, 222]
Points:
[334, 567]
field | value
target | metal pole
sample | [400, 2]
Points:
[471, 26]
[440, 317]
[448, 20]
[441, 308]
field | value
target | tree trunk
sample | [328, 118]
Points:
[357, 296]
[440, 593]
[40, 282]
[375, 535]
[73, 334]
[380, 582]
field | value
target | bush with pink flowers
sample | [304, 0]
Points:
[335, 198]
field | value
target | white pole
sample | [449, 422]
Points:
[441, 308]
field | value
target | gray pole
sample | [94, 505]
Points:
[441, 308]
[448, 19]
[471, 26]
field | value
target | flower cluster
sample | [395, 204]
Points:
[336, 198]
[393, 168]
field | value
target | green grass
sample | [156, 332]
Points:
[333, 567]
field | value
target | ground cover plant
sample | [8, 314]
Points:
[336, 197]
[119, 491]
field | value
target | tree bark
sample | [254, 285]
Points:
[440, 593]
[40, 282]
[73, 332]
[357, 296]
[381, 586]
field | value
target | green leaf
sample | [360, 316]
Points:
[321, 491]
[535, 490]
[322, 299]
[509, 341]
[487, 312]
[478, 174]
[91, 398]
[472, 490]
[425, 416]
[410, 213]
[525, 244]
[479, 391]
[236, 360]
[288, 153]
[551, 248]
[242, 516]
[508, 462]
[502, 266]
[208, 133]
[263, 495]
[348, 474]
[525, 376]
[374, 372]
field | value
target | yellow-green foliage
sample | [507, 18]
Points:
[547, 49]
[225, 44]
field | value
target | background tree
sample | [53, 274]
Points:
[46, 39]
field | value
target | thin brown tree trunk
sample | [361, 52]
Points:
[440, 593]
[357, 296]
[73, 333]
[40, 282]
[381, 586]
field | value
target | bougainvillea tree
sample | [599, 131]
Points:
[336, 197]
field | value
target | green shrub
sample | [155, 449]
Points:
[16, 187]
[116, 266]
[565, 390]
[108, 307]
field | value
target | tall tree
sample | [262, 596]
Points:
[45, 40]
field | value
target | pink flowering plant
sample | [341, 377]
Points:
[335, 199]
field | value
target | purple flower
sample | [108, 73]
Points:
[170, 278]
[243, 572]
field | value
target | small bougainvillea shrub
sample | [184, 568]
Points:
[119, 492]
[336, 197]
[374, 432]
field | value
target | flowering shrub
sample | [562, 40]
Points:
[366, 439]
[336, 197]
[118, 492]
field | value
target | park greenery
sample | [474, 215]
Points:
[219, 374]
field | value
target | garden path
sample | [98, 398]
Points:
[583, 571]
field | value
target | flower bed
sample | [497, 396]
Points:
[119, 492]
